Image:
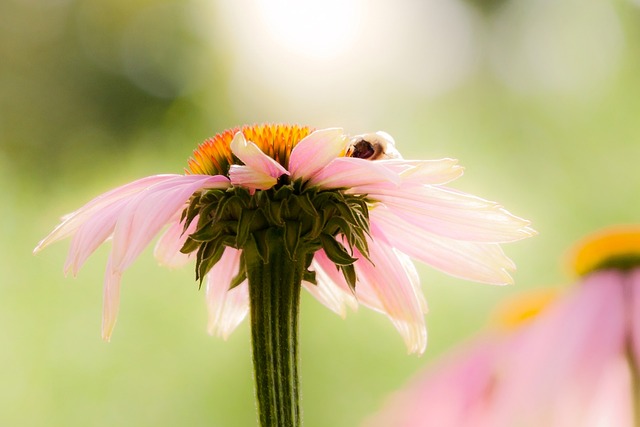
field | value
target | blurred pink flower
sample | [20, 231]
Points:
[410, 214]
[458, 389]
[575, 364]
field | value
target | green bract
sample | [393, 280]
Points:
[306, 219]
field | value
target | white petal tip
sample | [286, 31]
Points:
[106, 333]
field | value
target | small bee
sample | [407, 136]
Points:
[373, 146]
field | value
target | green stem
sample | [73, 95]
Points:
[274, 292]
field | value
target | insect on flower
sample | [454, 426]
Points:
[373, 146]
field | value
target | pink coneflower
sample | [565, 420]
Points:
[577, 363]
[458, 389]
[266, 209]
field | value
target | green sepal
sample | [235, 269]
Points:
[310, 276]
[208, 255]
[241, 276]
[213, 231]
[304, 201]
[282, 193]
[291, 238]
[349, 273]
[335, 251]
[244, 226]
[273, 214]
[261, 241]
[189, 246]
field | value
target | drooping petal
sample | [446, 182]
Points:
[480, 262]
[227, 307]
[425, 172]
[71, 222]
[330, 293]
[91, 234]
[450, 213]
[110, 301]
[254, 158]
[348, 172]
[147, 212]
[167, 250]
[315, 151]
[387, 284]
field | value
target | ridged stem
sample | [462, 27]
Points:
[274, 291]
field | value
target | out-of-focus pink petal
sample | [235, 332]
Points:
[71, 222]
[227, 307]
[633, 286]
[167, 250]
[450, 213]
[386, 285]
[254, 158]
[329, 293]
[481, 262]
[315, 151]
[613, 404]
[349, 172]
[253, 179]
[452, 393]
[423, 172]
[147, 212]
[566, 352]
[110, 301]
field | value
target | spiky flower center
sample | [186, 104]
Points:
[614, 248]
[214, 156]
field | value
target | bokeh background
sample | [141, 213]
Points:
[538, 99]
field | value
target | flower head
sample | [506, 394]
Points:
[352, 209]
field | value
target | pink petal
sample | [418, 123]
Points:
[451, 393]
[110, 301]
[328, 272]
[71, 222]
[334, 296]
[315, 151]
[167, 250]
[565, 353]
[91, 234]
[424, 172]
[149, 211]
[633, 286]
[227, 307]
[254, 158]
[253, 179]
[450, 213]
[390, 285]
[349, 172]
[481, 262]
[387, 284]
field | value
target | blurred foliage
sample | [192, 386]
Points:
[95, 93]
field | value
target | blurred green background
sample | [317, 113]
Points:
[538, 99]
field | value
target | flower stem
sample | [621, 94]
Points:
[274, 291]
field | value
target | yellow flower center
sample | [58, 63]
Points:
[616, 247]
[522, 308]
[213, 156]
